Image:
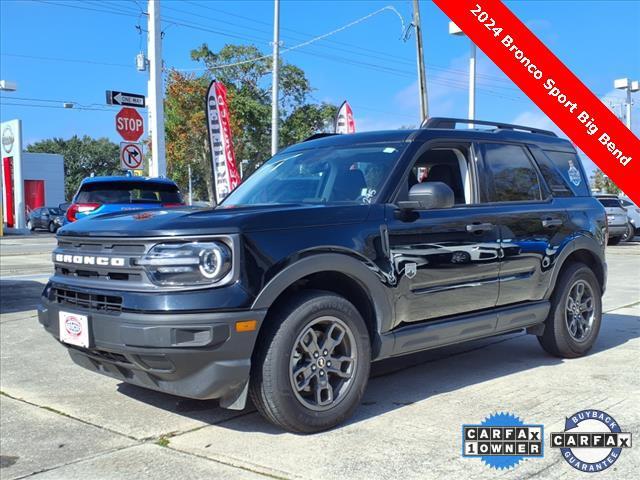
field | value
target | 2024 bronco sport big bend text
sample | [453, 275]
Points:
[338, 251]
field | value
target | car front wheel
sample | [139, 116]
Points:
[52, 227]
[30, 225]
[311, 367]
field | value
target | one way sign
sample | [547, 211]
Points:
[125, 99]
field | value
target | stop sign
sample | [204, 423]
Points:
[129, 124]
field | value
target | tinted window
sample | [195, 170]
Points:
[134, 192]
[567, 166]
[512, 174]
[55, 211]
[610, 202]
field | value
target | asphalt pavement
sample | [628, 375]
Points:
[59, 421]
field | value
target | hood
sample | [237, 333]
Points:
[192, 221]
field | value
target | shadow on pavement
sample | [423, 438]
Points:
[19, 295]
[399, 382]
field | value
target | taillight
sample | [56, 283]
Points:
[76, 208]
[172, 205]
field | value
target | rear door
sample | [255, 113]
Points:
[532, 223]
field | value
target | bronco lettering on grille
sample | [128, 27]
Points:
[90, 260]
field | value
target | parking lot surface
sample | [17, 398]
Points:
[59, 421]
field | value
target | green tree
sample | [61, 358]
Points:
[249, 99]
[82, 157]
[603, 184]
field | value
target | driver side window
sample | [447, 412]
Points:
[447, 164]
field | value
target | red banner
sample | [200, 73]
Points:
[550, 84]
[344, 120]
[225, 173]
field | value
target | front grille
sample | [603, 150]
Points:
[90, 301]
[98, 262]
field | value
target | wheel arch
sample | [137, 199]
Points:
[584, 250]
[337, 273]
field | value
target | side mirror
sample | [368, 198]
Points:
[430, 195]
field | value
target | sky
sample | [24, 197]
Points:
[72, 51]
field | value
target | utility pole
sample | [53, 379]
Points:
[629, 86]
[422, 77]
[155, 95]
[274, 81]
[472, 81]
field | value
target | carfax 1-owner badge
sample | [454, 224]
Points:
[502, 440]
[592, 440]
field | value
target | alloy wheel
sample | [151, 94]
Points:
[323, 363]
[580, 311]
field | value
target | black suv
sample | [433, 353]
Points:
[338, 251]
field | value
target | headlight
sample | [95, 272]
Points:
[196, 263]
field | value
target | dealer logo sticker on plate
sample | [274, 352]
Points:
[74, 329]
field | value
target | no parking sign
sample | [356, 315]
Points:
[131, 156]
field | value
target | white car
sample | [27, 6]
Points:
[633, 212]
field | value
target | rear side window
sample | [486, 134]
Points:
[128, 192]
[565, 173]
[610, 202]
[512, 176]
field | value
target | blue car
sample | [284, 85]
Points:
[98, 195]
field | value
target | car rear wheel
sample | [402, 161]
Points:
[311, 367]
[629, 234]
[575, 316]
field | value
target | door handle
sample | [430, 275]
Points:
[551, 222]
[479, 227]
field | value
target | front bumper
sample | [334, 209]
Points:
[195, 355]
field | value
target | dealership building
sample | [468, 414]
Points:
[29, 180]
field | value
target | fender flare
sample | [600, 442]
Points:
[357, 270]
[578, 242]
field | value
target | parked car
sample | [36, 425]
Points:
[617, 220]
[98, 195]
[333, 255]
[46, 218]
[633, 212]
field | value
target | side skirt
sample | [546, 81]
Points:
[427, 335]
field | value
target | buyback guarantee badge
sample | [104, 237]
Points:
[592, 440]
[502, 440]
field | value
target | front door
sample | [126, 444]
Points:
[446, 262]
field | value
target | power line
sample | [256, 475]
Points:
[70, 60]
[56, 106]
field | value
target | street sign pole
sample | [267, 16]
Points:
[158, 164]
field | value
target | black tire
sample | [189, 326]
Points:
[629, 234]
[30, 225]
[558, 339]
[614, 240]
[271, 386]
[52, 227]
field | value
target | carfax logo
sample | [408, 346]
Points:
[502, 440]
[592, 440]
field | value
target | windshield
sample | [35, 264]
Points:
[350, 174]
[128, 192]
[55, 211]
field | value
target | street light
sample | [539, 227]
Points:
[629, 86]
[7, 86]
[455, 30]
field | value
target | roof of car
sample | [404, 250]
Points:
[442, 128]
[127, 178]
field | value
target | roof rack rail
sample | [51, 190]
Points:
[444, 122]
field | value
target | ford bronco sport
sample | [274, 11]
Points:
[332, 255]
